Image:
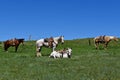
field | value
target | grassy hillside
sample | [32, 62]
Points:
[86, 63]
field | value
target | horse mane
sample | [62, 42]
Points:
[21, 40]
[57, 38]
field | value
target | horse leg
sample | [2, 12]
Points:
[96, 45]
[53, 48]
[38, 50]
[105, 46]
[16, 47]
[6, 47]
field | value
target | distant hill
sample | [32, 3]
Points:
[86, 62]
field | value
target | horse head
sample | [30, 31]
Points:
[21, 40]
[61, 39]
[69, 52]
[115, 39]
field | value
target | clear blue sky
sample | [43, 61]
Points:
[71, 18]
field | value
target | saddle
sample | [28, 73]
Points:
[102, 38]
[49, 40]
[62, 51]
[12, 41]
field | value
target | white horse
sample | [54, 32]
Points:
[55, 54]
[62, 54]
[48, 42]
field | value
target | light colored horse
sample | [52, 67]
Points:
[48, 42]
[66, 53]
[104, 40]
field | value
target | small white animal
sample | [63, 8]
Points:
[65, 53]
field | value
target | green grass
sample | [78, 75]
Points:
[86, 63]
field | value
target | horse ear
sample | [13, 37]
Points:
[61, 36]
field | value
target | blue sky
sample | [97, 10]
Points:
[71, 18]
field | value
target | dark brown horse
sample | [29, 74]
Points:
[14, 43]
[104, 40]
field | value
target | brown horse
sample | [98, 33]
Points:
[104, 40]
[14, 43]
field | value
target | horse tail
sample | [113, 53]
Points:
[95, 42]
[89, 42]
[37, 47]
[5, 45]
